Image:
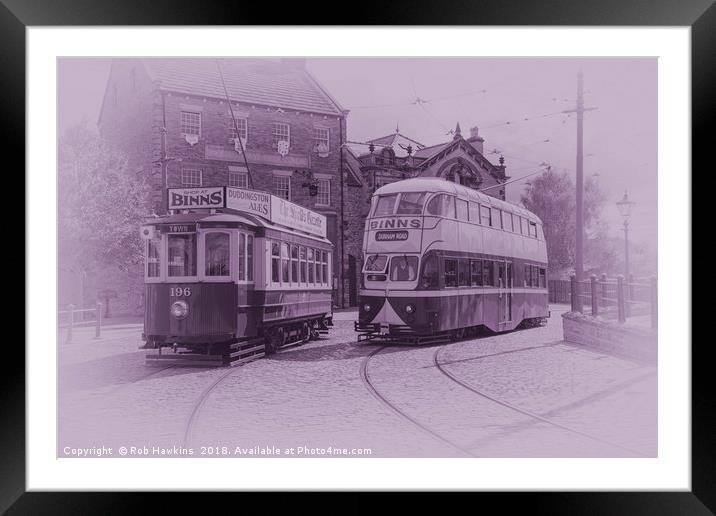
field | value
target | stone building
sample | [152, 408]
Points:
[280, 132]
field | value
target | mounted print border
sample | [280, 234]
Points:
[15, 17]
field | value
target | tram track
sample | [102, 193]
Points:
[441, 366]
[365, 376]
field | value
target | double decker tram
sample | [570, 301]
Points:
[232, 274]
[442, 260]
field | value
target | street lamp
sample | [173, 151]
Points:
[625, 206]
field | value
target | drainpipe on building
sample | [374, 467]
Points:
[340, 125]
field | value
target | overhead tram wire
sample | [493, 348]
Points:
[236, 126]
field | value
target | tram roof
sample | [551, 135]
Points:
[228, 216]
[436, 185]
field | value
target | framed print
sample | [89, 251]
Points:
[308, 258]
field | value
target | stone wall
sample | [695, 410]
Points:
[610, 337]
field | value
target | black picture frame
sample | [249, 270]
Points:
[700, 15]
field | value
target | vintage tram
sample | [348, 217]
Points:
[442, 260]
[233, 273]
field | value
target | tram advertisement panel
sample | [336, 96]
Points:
[184, 198]
[394, 234]
[295, 216]
[249, 201]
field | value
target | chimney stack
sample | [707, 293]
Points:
[476, 140]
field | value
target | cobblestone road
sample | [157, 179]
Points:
[520, 394]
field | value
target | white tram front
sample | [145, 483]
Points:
[441, 258]
[228, 265]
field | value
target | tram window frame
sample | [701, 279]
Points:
[542, 277]
[445, 205]
[275, 262]
[249, 257]
[241, 276]
[474, 212]
[157, 244]
[535, 276]
[450, 276]
[310, 260]
[511, 224]
[495, 218]
[532, 224]
[379, 204]
[195, 242]
[319, 269]
[485, 215]
[523, 226]
[294, 263]
[285, 264]
[527, 278]
[463, 273]
[324, 266]
[410, 260]
[415, 207]
[462, 214]
[476, 273]
[204, 249]
[302, 263]
[430, 272]
[488, 273]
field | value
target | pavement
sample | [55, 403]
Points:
[524, 393]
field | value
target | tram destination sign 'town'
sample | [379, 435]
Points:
[263, 204]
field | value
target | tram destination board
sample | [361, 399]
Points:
[390, 236]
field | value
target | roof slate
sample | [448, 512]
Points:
[252, 81]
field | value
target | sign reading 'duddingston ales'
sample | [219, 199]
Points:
[275, 209]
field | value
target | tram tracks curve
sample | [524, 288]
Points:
[442, 367]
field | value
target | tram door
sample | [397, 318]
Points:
[504, 278]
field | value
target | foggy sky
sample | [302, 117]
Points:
[620, 137]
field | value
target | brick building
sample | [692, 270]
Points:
[172, 118]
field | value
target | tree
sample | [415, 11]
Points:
[100, 204]
[552, 197]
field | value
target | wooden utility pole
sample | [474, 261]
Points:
[579, 242]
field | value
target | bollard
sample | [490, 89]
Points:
[98, 323]
[604, 291]
[572, 291]
[654, 303]
[72, 321]
[593, 287]
[620, 298]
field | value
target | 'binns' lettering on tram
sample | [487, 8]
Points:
[395, 223]
[212, 199]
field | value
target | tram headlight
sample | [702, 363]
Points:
[366, 307]
[409, 309]
[179, 309]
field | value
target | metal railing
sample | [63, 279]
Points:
[605, 296]
[79, 318]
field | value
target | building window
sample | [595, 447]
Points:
[238, 179]
[191, 123]
[191, 177]
[281, 132]
[282, 187]
[321, 135]
[243, 130]
[324, 193]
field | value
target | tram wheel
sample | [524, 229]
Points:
[274, 340]
[305, 334]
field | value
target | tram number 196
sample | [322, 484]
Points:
[179, 291]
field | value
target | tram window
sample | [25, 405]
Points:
[324, 266]
[376, 263]
[285, 276]
[461, 209]
[310, 266]
[430, 272]
[450, 273]
[535, 276]
[153, 261]
[442, 205]
[523, 225]
[294, 264]
[507, 220]
[411, 203]
[474, 212]
[533, 229]
[385, 206]
[182, 255]
[476, 273]
[528, 280]
[496, 218]
[540, 232]
[275, 260]
[485, 218]
[242, 256]
[249, 257]
[216, 254]
[403, 268]
[463, 273]
[302, 259]
[542, 278]
[487, 274]
[319, 269]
